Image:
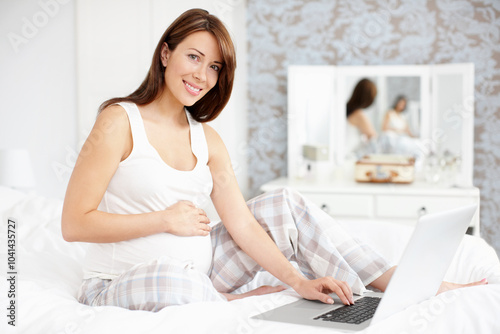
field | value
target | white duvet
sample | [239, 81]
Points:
[49, 274]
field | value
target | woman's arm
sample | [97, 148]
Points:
[249, 235]
[110, 142]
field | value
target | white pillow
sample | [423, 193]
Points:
[10, 197]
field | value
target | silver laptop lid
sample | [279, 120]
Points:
[425, 260]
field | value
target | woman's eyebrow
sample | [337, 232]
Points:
[201, 53]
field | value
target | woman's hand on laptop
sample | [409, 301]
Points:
[319, 289]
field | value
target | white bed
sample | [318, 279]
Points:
[49, 274]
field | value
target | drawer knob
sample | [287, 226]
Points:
[325, 208]
[422, 211]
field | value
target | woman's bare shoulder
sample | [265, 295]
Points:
[112, 128]
[113, 121]
[211, 135]
[113, 115]
[216, 147]
[357, 117]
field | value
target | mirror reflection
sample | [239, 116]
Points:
[422, 111]
[382, 115]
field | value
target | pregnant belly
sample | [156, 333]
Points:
[197, 250]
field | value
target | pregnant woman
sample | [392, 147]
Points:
[151, 167]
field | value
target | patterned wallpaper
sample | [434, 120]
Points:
[354, 32]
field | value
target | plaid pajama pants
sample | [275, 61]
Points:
[302, 231]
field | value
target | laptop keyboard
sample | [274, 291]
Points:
[362, 310]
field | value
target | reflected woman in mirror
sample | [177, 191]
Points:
[396, 136]
[394, 121]
[360, 131]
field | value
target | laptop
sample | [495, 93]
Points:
[422, 267]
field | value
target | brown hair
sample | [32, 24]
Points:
[362, 96]
[396, 101]
[211, 105]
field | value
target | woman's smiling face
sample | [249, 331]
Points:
[192, 69]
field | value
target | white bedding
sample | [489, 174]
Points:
[50, 273]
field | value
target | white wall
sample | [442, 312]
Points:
[37, 87]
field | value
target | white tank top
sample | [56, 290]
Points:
[396, 122]
[143, 183]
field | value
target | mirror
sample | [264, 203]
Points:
[393, 123]
[438, 114]
[310, 115]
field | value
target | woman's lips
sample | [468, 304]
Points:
[192, 89]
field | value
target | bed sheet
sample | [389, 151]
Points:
[50, 274]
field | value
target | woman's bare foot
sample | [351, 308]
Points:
[263, 290]
[446, 286]
[382, 282]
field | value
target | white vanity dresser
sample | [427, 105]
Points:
[440, 111]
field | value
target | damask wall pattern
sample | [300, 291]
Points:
[376, 32]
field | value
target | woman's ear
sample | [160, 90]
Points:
[165, 53]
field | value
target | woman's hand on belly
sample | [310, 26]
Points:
[185, 219]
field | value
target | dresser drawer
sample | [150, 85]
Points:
[415, 206]
[338, 205]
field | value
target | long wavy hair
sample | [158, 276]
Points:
[211, 105]
[362, 96]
